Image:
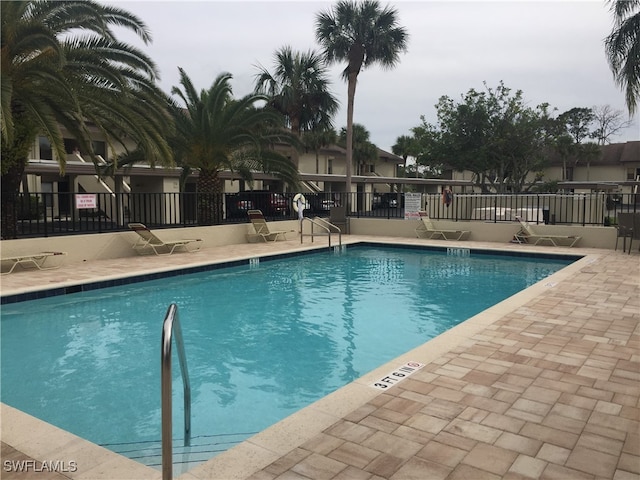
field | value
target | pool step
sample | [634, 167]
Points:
[202, 448]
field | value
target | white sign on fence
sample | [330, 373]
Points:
[412, 205]
[86, 200]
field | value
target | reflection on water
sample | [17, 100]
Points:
[261, 342]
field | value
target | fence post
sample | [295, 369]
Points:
[495, 208]
[46, 219]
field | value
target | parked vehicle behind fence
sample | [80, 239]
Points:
[270, 203]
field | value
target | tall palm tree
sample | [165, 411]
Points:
[405, 147]
[590, 151]
[63, 66]
[316, 139]
[363, 150]
[566, 148]
[362, 34]
[217, 132]
[298, 88]
[623, 49]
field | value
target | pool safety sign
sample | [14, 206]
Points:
[412, 205]
[86, 200]
[397, 375]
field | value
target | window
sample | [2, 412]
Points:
[100, 148]
[631, 173]
[569, 174]
[46, 153]
[70, 145]
[330, 166]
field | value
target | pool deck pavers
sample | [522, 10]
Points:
[545, 385]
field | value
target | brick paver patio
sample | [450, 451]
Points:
[549, 390]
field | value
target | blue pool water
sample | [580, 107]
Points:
[261, 342]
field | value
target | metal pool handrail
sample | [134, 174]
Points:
[323, 225]
[170, 325]
[328, 225]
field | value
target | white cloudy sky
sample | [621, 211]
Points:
[551, 50]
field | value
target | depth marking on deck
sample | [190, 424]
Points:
[397, 375]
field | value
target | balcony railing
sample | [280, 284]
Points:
[50, 214]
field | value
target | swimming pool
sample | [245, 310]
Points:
[250, 335]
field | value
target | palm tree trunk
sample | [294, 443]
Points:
[14, 160]
[295, 155]
[10, 185]
[351, 93]
[210, 204]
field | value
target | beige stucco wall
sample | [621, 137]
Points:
[103, 246]
[85, 248]
[386, 169]
[307, 162]
[592, 237]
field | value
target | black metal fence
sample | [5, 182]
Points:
[49, 214]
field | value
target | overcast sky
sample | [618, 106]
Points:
[552, 51]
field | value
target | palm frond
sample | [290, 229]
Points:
[622, 47]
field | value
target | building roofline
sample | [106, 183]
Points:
[79, 168]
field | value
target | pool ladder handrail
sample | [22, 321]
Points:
[325, 225]
[171, 325]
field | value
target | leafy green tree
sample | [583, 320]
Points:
[573, 128]
[217, 132]
[428, 153]
[63, 66]
[576, 122]
[364, 152]
[622, 47]
[362, 34]
[491, 133]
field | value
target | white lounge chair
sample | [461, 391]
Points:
[148, 240]
[426, 229]
[527, 234]
[37, 259]
[262, 229]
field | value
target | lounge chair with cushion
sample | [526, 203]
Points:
[262, 229]
[148, 241]
[527, 234]
[426, 229]
[37, 259]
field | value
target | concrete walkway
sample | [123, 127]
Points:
[543, 385]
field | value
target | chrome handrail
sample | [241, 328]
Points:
[170, 325]
[314, 221]
[327, 224]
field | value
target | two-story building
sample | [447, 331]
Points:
[615, 169]
[321, 171]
